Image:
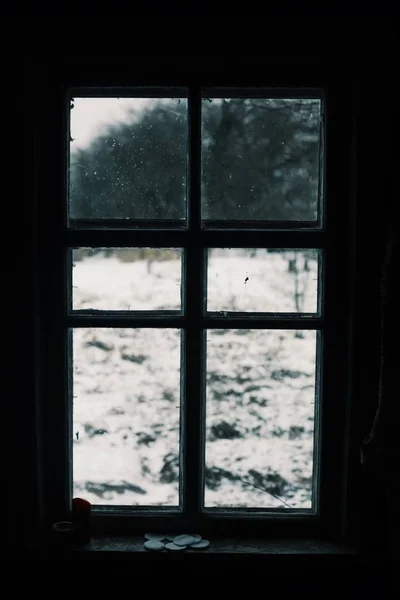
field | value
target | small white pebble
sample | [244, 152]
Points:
[183, 540]
[196, 538]
[153, 545]
[202, 545]
[159, 537]
[174, 547]
[171, 536]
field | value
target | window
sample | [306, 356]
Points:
[196, 313]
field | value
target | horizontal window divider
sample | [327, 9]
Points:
[264, 322]
[150, 91]
[181, 91]
[125, 319]
[114, 80]
[239, 238]
[133, 511]
[116, 511]
[215, 321]
[140, 314]
[284, 226]
[124, 224]
[263, 92]
[181, 225]
[256, 512]
[208, 525]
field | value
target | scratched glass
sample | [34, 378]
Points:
[260, 418]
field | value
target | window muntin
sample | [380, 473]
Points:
[198, 237]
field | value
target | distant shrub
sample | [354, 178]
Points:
[149, 254]
[128, 254]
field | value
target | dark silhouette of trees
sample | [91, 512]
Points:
[136, 170]
[260, 160]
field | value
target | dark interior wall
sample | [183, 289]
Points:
[376, 199]
[363, 52]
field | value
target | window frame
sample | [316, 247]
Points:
[336, 238]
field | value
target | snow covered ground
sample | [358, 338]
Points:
[260, 384]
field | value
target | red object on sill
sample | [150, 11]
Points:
[80, 517]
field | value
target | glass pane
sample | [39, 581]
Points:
[126, 278]
[128, 158]
[126, 388]
[260, 418]
[262, 280]
[260, 158]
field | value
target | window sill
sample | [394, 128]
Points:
[318, 552]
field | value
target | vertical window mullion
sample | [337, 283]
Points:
[193, 462]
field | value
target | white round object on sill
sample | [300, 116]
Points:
[174, 547]
[196, 538]
[184, 540]
[202, 545]
[154, 545]
[171, 536]
[157, 537]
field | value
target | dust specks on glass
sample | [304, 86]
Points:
[259, 160]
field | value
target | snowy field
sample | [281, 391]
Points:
[260, 384]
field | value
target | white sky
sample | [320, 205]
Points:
[90, 115]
